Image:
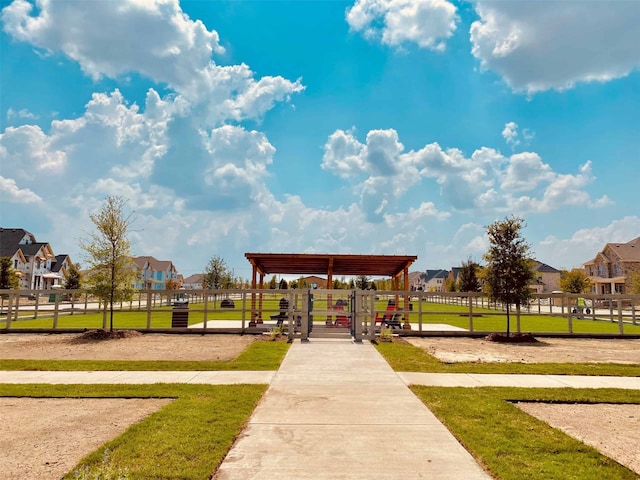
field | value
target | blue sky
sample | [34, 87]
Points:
[370, 126]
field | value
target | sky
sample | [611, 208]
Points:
[364, 127]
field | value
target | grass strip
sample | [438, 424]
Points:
[513, 445]
[259, 355]
[404, 357]
[185, 440]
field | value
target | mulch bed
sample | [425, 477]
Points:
[512, 338]
[100, 335]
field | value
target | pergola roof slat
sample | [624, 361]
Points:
[342, 264]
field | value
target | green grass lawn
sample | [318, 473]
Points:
[433, 313]
[259, 355]
[185, 440]
[513, 445]
[404, 357]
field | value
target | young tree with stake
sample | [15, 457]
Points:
[108, 254]
[509, 269]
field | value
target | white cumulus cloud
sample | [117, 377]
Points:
[154, 38]
[487, 181]
[427, 23]
[537, 46]
[10, 192]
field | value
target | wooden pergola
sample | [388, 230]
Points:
[263, 264]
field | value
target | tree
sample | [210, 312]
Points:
[8, 276]
[172, 284]
[283, 284]
[273, 283]
[216, 274]
[73, 277]
[73, 281]
[575, 281]
[509, 269]
[363, 282]
[468, 277]
[108, 254]
[449, 285]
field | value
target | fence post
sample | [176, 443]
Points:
[56, 296]
[148, 308]
[9, 310]
[569, 319]
[470, 314]
[620, 319]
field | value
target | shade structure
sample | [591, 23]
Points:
[330, 264]
[326, 264]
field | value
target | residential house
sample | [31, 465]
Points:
[34, 261]
[454, 273]
[153, 274]
[193, 282]
[429, 280]
[415, 281]
[611, 270]
[547, 278]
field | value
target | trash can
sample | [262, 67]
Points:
[180, 314]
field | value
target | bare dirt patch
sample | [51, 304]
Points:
[134, 346]
[604, 430]
[33, 445]
[545, 350]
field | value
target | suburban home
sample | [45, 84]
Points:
[547, 278]
[415, 281]
[193, 282]
[153, 274]
[429, 280]
[610, 271]
[453, 274]
[34, 261]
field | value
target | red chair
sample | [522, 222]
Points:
[387, 316]
[342, 320]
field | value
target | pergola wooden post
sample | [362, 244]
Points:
[407, 325]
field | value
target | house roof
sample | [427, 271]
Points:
[34, 248]
[414, 276]
[59, 262]
[195, 278]
[431, 274]
[10, 240]
[544, 268]
[626, 252]
[337, 264]
[154, 263]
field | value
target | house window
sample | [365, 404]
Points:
[601, 271]
[15, 263]
[616, 270]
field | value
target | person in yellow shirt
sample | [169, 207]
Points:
[580, 306]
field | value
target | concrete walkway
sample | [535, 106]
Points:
[335, 409]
